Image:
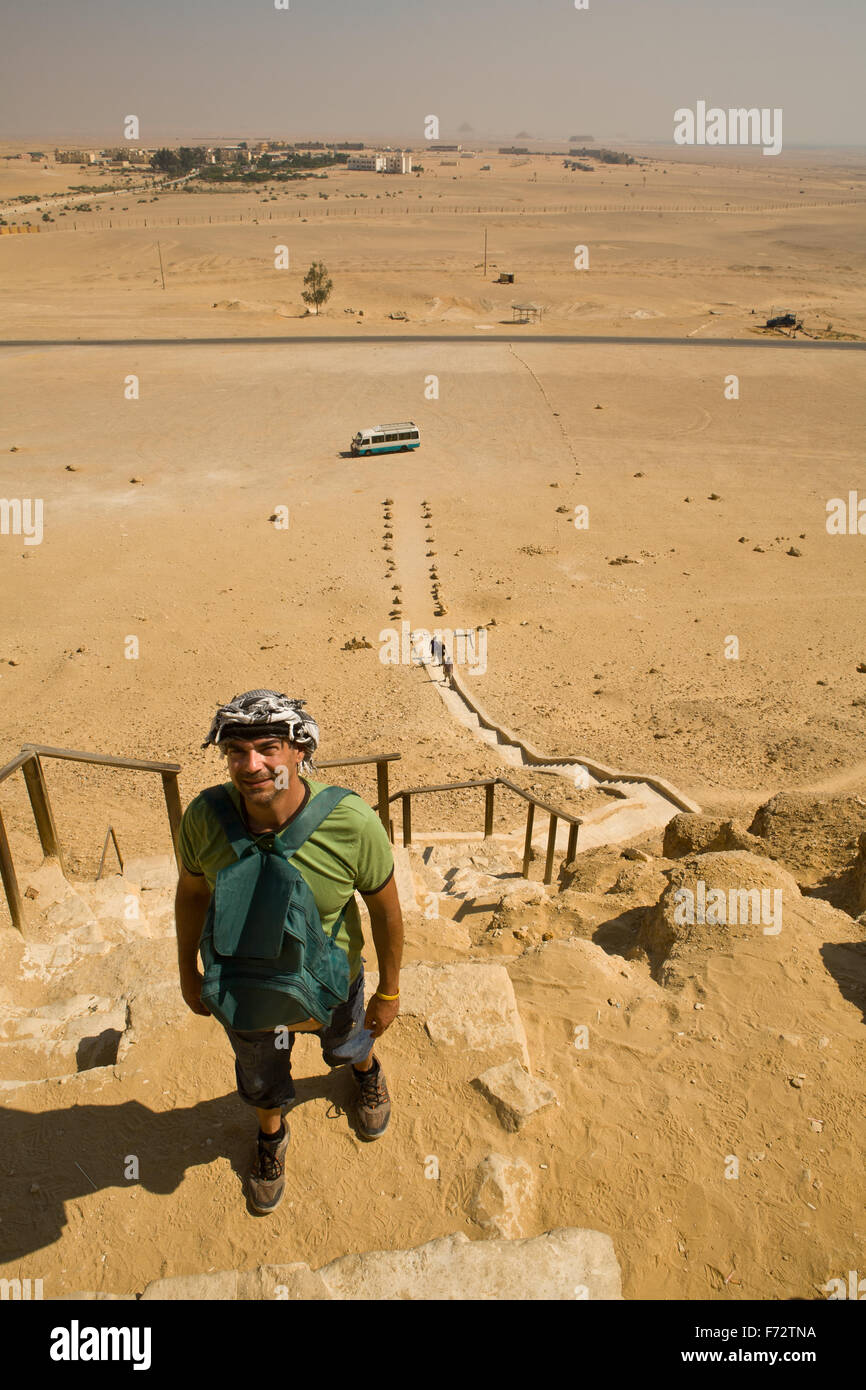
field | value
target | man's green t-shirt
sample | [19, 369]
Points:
[349, 850]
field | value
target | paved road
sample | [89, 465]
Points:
[401, 339]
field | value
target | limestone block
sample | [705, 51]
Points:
[502, 1194]
[152, 871]
[294, 1282]
[470, 1006]
[558, 1265]
[221, 1286]
[514, 1094]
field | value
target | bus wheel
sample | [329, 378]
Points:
[404, 449]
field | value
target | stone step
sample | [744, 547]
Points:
[65, 1036]
[560, 1265]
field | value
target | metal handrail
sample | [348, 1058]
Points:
[29, 760]
[381, 760]
[490, 784]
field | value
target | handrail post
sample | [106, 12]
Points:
[572, 842]
[10, 882]
[489, 792]
[527, 844]
[407, 819]
[37, 790]
[382, 793]
[172, 804]
[551, 846]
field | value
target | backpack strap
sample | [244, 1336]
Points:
[229, 818]
[317, 809]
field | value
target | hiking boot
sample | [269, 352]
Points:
[374, 1108]
[267, 1176]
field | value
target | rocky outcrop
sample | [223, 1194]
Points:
[812, 836]
[687, 834]
[711, 901]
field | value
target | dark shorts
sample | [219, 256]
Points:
[263, 1060]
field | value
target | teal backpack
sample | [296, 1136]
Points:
[267, 959]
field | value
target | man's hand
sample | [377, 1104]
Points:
[380, 1014]
[387, 926]
[190, 988]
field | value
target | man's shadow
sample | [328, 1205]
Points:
[58, 1156]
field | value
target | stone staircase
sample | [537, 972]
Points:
[639, 805]
[90, 993]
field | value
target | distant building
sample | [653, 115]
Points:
[396, 162]
[371, 163]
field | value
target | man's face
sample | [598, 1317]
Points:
[262, 768]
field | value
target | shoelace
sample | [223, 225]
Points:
[373, 1088]
[270, 1167]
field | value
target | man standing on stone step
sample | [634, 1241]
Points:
[267, 740]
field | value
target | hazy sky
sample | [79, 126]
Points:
[373, 69]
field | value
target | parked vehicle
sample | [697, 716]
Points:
[386, 439]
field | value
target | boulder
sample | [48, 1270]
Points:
[514, 1093]
[502, 1193]
[711, 901]
[812, 836]
[693, 834]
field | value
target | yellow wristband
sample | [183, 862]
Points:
[389, 997]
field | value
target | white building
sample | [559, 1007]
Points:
[399, 163]
[390, 163]
[373, 163]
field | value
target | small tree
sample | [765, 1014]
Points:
[319, 285]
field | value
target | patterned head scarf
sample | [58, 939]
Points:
[257, 713]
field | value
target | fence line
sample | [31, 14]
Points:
[317, 213]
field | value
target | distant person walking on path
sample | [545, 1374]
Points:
[437, 651]
[447, 666]
[272, 838]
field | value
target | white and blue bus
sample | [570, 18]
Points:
[387, 439]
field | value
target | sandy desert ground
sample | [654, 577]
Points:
[706, 522]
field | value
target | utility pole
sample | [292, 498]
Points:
[161, 271]
[485, 253]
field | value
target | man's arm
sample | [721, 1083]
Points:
[386, 921]
[190, 909]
